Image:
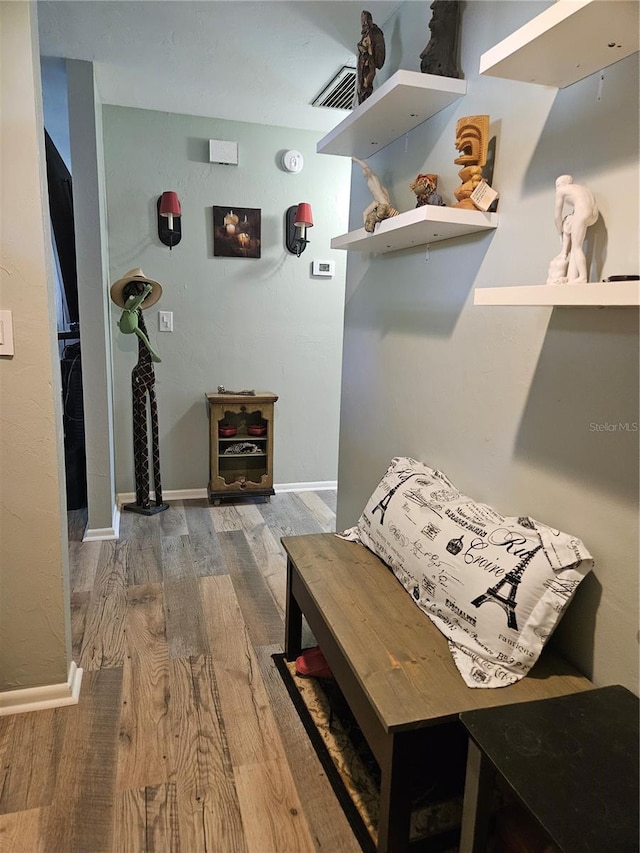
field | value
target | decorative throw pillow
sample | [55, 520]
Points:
[495, 586]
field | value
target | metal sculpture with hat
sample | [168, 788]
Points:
[133, 293]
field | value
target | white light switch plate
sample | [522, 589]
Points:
[6, 333]
[165, 321]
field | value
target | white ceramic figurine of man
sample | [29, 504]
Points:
[571, 264]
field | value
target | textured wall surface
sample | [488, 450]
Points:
[511, 403]
[34, 630]
[260, 323]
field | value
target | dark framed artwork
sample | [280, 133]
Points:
[236, 232]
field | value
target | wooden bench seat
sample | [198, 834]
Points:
[392, 664]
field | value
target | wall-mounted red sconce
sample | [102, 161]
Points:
[299, 218]
[169, 219]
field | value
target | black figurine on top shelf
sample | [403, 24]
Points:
[440, 55]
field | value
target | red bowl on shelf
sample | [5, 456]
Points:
[256, 429]
[227, 431]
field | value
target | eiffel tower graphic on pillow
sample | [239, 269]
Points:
[381, 507]
[511, 579]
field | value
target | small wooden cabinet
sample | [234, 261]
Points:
[240, 445]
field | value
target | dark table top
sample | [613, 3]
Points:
[572, 762]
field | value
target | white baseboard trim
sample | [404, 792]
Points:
[101, 534]
[174, 495]
[42, 698]
[197, 494]
[320, 486]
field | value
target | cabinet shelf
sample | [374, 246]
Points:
[608, 293]
[244, 436]
[567, 42]
[224, 456]
[417, 227]
[401, 103]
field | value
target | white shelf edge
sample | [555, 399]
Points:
[400, 104]
[567, 42]
[417, 227]
[600, 294]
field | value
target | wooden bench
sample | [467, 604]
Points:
[392, 665]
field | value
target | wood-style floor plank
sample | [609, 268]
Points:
[320, 511]
[142, 536]
[103, 641]
[83, 564]
[330, 497]
[208, 808]
[30, 746]
[327, 822]
[161, 815]
[7, 728]
[268, 553]
[262, 618]
[130, 821]
[144, 728]
[186, 635]
[79, 607]
[205, 547]
[173, 521]
[271, 811]
[81, 815]
[268, 797]
[288, 516]
[20, 832]
[254, 736]
[225, 518]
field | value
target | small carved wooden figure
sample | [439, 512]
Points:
[371, 55]
[424, 186]
[472, 139]
[439, 56]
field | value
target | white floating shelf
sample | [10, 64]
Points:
[621, 293]
[418, 227]
[568, 41]
[401, 103]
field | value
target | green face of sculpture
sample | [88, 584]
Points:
[134, 293]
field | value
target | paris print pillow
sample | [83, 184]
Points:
[495, 586]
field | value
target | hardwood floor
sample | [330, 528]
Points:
[184, 738]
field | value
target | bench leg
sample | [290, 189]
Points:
[478, 794]
[293, 619]
[395, 797]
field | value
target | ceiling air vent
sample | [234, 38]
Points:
[340, 92]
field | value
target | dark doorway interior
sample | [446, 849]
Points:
[62, 225]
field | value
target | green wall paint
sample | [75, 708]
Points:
[503, 399]
[243, 323]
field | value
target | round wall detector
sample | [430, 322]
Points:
[292, 161]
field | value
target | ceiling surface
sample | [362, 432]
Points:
[242, 60]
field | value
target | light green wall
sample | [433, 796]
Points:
[89, 205]
[506, 401]
[243, 323]
[35, 647]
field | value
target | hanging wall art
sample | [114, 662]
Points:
[236, 232]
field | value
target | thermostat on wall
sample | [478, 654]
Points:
[322, 268]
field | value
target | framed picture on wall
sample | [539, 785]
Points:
[236, 232]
